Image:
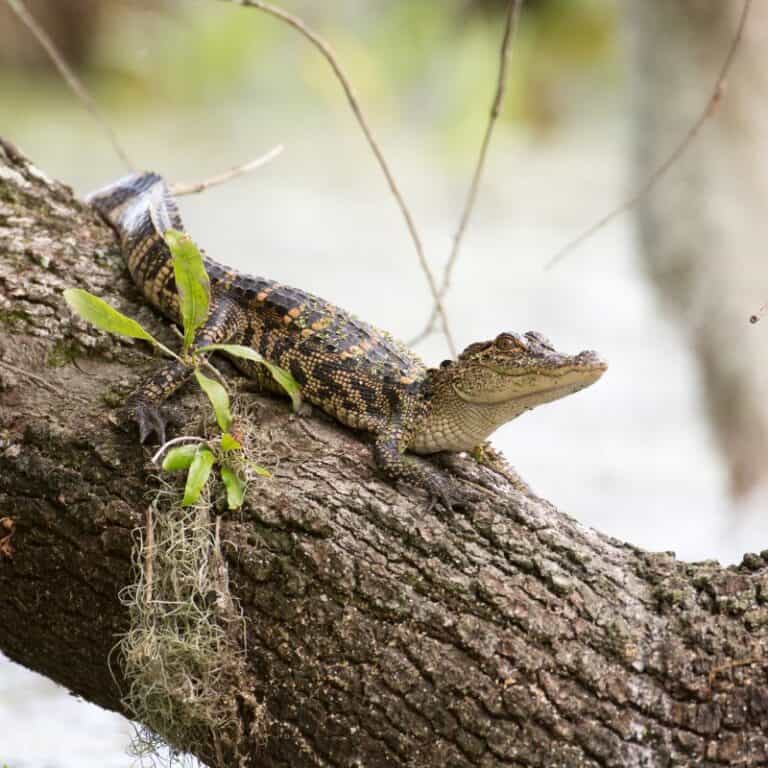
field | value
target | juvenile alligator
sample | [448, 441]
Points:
[353, 371]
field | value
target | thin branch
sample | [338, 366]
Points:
[191, 189]
[330, 57]
[658, 174]
[510, 28]
[73, 81]
[182, 439]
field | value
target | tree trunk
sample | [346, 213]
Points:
[73, 25]
[702, 231]
[378, 633]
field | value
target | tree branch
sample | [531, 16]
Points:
[327, 52]
[179, 189]
[510, 28]
[379, 633]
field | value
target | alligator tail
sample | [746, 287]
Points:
[132, 202]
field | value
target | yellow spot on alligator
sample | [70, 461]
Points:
[229, 278]
[318, 325]
[295, 312]
[407, 379]
[261, 295]
[307, 332]
[287, 319]
[354, 350]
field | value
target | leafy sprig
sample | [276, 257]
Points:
[194, 290]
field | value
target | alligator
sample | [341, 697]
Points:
[354, 372]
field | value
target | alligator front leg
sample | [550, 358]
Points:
[388, 449]
[225, 324]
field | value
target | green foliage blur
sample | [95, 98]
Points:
[412, 59]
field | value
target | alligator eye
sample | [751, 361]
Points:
[510, 342]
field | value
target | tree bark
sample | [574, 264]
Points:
[378, 633]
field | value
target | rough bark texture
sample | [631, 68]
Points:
[379, 634]
[703, 230]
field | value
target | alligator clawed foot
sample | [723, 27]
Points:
[149, 419]
[448, 495]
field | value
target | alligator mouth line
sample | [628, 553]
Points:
[590, 374]
[594, 365]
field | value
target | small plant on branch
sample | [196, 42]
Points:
[194, 290]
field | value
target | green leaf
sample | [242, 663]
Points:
[229, 443]
[259, 470]
[235, 487]
[288, 383]
[97, 312]
[236, 350]
[179, 458]
[199, 472]
[218, 397]
[192, 283]
[280, 375]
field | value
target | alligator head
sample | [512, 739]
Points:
[493, 382]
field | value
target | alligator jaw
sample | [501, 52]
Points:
[531, 387]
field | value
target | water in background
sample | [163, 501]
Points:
[630, 456]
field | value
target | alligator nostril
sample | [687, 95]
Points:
[588, 357]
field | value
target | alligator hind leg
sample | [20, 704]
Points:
[225, 324]
[143, 406]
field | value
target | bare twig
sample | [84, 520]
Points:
[510, 28]
[176, 440]
[73, 81]
[190, 189]
[713, 102]
[330, 57]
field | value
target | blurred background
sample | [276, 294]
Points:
[669, 450]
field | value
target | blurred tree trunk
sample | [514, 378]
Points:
[378, 633]
[703, 231]
[72, 24]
